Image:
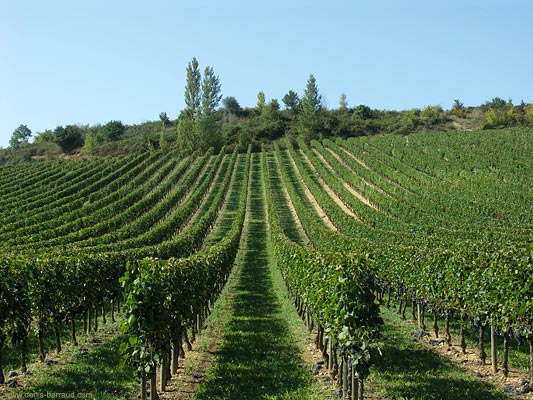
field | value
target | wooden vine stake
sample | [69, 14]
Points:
[163, 373]
[153, 386]
[2, 341]
[355, 384]
[447, 329]
[493, 355]
[345, 376]
[435, 324]
[530, 340]
[330, 358]
[143, 387]
[482, 354]
[505, 361]
[175, 355]
[462, 333]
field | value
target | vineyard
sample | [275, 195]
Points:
[433, 226]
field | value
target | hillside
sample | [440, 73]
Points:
[435, 225]
[234, 126]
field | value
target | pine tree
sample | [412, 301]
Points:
[291, 101]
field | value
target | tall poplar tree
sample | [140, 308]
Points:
[193, 90]
[343, 102]
[311, 103]
[188, 126]
[261, 101]
[211, 91]
[198, 127]
[210, 130]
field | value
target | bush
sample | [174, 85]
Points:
[69, 138]
[113, 131]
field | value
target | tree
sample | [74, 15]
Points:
[261, 101]
[188, 119]
[20, 135]
[188, 132]
[113, 130]
[309, 120]
[211, 91]
[528, 114]
[69, 138]
[211, 96]
[496, 102]
[231, 106]
[291, 101]
[362, 112]
[312, 100]
[91, 141]
[193, 94]
[343, 103]
[165, 120]
[45, 136]
[271, 110]
[198, 126]
[431, 115]
[231, 109]
[458, 109]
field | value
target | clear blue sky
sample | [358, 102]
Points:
[91, 61]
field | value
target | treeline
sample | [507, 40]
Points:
[211, 120]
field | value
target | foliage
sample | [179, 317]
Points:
[202, 125]
[458, 109]
[69, 137]
[91, 141]
[261, 101]
[431, 115]
[362, 112]
[199, 124]
[211, 92]
[113, 131]
[231, 106]
[291, 101]
[146, 326]
[500, 118]
[271, 111]
[193, 89]
[20, 135]
[441, 220]
[163, 296]
[497, 102]
[528, 115]
[343, 102]
[165, 120]
[310, 117]
[188, 133]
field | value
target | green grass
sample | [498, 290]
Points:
[410, 370]
[90, 369]
[258, 357]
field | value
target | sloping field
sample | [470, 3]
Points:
[436, 226]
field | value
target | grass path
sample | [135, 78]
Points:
[259, 355]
